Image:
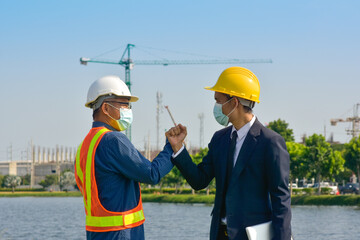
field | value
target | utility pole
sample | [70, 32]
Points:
[158, 111]
[201, 117]
[303, 137]
[148, 147]
[58, 165]
[32, 162]
[9, 152]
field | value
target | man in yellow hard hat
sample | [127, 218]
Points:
[108, 168]
[249, 162]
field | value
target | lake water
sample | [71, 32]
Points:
[63, 218]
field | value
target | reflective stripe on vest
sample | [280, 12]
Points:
[98, 219]
[122, 220]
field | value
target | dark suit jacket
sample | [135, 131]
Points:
[258, 189]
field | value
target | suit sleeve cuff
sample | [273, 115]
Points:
[174, 155]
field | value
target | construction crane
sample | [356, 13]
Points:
[355, 120]
[128, 64]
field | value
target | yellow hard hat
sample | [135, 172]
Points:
[239, 82]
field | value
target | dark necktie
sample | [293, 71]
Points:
[229, 167]
[230, 160]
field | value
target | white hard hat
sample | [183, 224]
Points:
[108, 86]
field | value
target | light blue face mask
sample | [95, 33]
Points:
[126, 118]
[221, 118]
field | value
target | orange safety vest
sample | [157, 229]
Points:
[98, 219]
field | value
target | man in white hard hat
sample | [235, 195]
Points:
[108, 168]
[249, 162]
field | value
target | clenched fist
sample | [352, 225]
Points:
[176, 136]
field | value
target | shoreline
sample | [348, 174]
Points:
[324, 200]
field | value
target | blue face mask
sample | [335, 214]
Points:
[125, 120]
[221, 118]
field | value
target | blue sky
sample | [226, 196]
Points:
[314, 76]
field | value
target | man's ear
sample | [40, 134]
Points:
[105, 109]
[237, 102]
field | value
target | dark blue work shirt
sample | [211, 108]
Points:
[119, 168]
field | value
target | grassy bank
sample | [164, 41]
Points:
[40, 194]
[148, 197]
[326, 200]
[179, 198]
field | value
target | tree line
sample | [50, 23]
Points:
[65, 182]
[317, 158]
[314, 158]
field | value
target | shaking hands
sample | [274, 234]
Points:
[176, 136]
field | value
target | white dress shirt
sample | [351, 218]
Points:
[241, 134]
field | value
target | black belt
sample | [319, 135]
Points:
[223, 235]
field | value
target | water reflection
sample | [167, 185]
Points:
[325, 222]
[63, 218]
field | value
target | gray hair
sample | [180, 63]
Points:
[246, 103]
[95, 105]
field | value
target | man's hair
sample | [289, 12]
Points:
[247, 109]
[96, 112]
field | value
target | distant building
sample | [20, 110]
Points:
[18, 168]
[22, 168]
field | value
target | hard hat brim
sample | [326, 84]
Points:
[131, 99]
[230, 93]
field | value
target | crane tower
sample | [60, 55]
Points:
[128, 64]
[158, 111]
[355, 120]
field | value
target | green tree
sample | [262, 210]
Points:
[338, 165]
[25, 180]
[338, 147]
[67, 179]
[352, 156]
[1, 180]
[344, 176]
[49, 180]
[173, 179]
[297, 163]
[12, 181]
[281, 127]
[320, 158]
[197, 158]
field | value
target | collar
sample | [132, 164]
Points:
[244, 129]
[102, 124]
